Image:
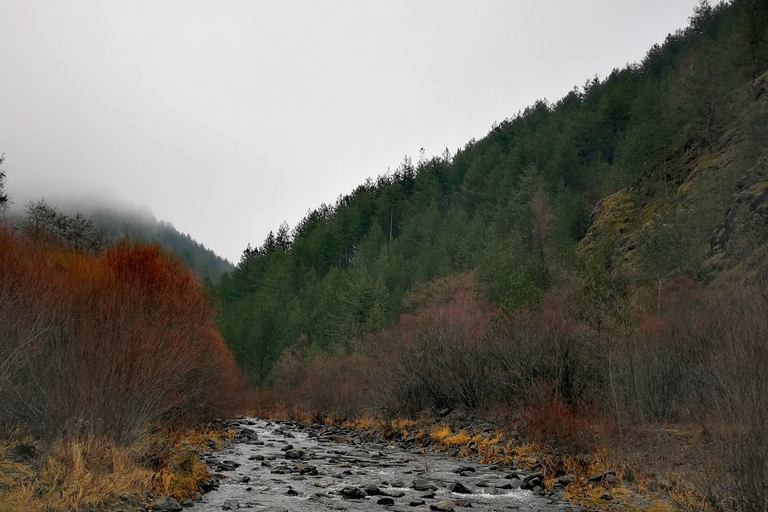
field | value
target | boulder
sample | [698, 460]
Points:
[421, 484]
[353, 493]
[460, 488]
[165, 504]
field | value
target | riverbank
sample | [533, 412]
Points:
[96, 474]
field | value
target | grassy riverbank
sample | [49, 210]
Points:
[98, 474]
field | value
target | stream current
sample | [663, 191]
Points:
[283, 466]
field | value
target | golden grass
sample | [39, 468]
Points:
[458, 439]
[365, 423]
[72, 474]
[440, 432]
[77, 474]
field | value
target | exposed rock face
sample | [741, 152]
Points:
[745, 228]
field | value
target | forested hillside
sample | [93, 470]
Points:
[629, 174]
[591, 276]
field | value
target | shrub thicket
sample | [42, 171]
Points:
[103, 345]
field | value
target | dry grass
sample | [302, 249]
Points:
[440, 432]
[460, 438]
[73, 474]
[82, 474]
[366, 423]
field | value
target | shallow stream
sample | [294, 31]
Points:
[284, 466]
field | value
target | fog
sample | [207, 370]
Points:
[227, 119]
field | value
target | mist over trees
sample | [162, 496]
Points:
[92, 227]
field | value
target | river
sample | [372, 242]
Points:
[284, 466]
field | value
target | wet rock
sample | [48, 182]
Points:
[393, 494]
[353, 493]
[464, 503]
[372, 490]
[564, 481]
[292, 492]
[230, 505]
[421, 484]
[187, 503]
[385, 501]
[248, 436]
[227, 465]
[296, 454]
[460, 488]
[165, 504]
[443, 506]
[532, 481]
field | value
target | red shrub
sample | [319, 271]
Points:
[107, 344]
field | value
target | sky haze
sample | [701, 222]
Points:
[228, 118]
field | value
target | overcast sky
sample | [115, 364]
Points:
[228, 118]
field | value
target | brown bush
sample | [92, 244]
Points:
[550, 421]
[103, 345]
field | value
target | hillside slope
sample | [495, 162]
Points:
[647, 174]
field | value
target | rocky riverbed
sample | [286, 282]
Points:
[284, 466]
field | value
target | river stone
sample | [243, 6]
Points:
[372, 490]
[601, 477]
[531, 484]
[165, 503]
[295, 454]
[385, 501]
[353, 493]
[460, 488]
[443, 506]
[248, 435]
[423, 485]
[416, 502]
[230, 505]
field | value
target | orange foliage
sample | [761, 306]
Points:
[104, 345]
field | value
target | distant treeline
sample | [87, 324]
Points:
[95, 228]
